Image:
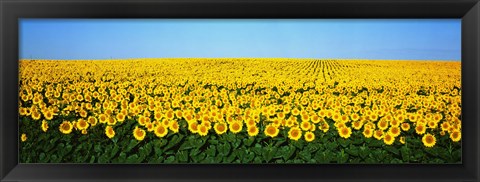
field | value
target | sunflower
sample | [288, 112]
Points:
[305, 117]
[324, 127]
[84, 132]
[455, 135]
[388, 139]
[109, 132]
[294, 133]
[295, 112]
[378, 134]
[344, 118]
[432, 124]
[44, 126]
[193, 127]
[235, 126]
[394, 122]
[402, 140]
[405, 126]
[357, 125]
[120, 117]
[253, 131]
[36, 115]
[429, 140]
[271, 131]
[220, 128]
[305, 125]
[442, 133]
[82, 124]
[202, 130]
[174, 126]
[48, 115]
[102, 118]
[169, 114]
[355, 117]
[92, 120]
[315, 118]
[367, 133]
[66, 127]
[412, 117]
[23, 137]
[445, 126]
[149, 126]
[420, 129]
[383, 125]
[83, 113]
[157, 115]
[138, 133]
[309, 136]
[160, 130]
[345, 132]
[22, 111]
[394, 131]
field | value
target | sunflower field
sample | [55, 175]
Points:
[243, 110]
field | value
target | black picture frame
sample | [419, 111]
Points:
[11, 11]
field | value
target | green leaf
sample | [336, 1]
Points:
[131, 145]
[114, 151]
[343, 142]
[132, 159]
[305, 155]
[182, 156]
[98, 148]
[342, 158]
[405, 152]
[103, 159]
[224, 149]
[170, 159]
[299, 144]
[357, 141]
[174, 141]
[236, 143]
[240, 153]
[211, 151]
[313, 147]
[375, 143]
[194, 152]
[186, 146]
[352, 151]
[332, 146]
[229, 159]
[248, 141]
[199, 157]
[54, 159]
[258, 149]
[122, 157]
[285, 152]
[268, 153]
[363, 152]
[431, 151]
[393, 150]
[248, 157]
[67, 149]
[92, 159]
[42, 157]
[279, 141]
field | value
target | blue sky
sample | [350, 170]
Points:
[424, 39]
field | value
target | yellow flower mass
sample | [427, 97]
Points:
[270, 96]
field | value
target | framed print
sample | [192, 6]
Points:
[239, 90]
